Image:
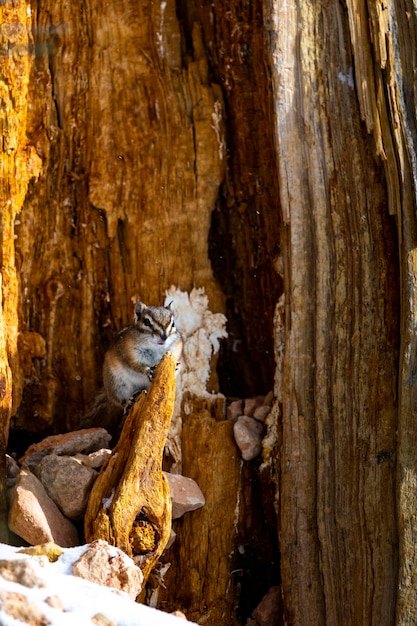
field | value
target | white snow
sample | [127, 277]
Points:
[81, 599]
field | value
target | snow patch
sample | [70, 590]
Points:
[81, 599]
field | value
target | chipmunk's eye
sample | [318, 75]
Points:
[146, 322]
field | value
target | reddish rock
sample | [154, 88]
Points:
[261, 412]
[109, 566]
[251, 404]
[268, 611]
[95, 460]
[20, 571]
[101, 620]
[69, 444]
[54, 602]
[35, 517]
[18, 607]
[185, 493]
[67, 482]
[12, 468]
[179, 614]
[235, 409]
[248, 436]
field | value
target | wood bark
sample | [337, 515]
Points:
[201, 578]
[145, 144]
[130, 504]
[18, 164]
[132, 147]
[344, 473]
[209, 558]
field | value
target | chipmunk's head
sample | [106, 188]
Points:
[154, 320]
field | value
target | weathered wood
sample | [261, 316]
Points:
[130, 505]
[18, 164]
[244, 263]
[225, 555]
[385, 77]
[5, 413]
[131, 135]
[337, 492]
[201, 567]
[387, 111]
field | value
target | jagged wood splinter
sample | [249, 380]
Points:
[130, 504]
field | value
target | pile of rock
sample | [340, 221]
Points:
[50, 486]
[49, 585]
[249, 417]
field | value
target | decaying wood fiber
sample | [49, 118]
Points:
[130, 505]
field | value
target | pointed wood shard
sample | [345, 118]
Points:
[130, 504]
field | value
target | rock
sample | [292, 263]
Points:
[179, 614]
[185, 493]
[79, 441]
[269, 398]
[19, 608]
[172, 537]
[251, 404]
[101, 620]
[268, 611]
[107, 565]
[54, 602]
[261, 412]
[248, 436]
[235, 409]
[68, 482]
[52, 596]
[35, 517]
[94, 459]
[20, 571]
[12, 468]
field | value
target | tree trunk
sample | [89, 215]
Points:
[337, 511]
[132, 150]
[255, 149]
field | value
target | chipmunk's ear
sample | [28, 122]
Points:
[139, 308]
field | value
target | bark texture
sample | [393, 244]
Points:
[18, 164]
[145, 144]
[130, 505]
[209, 559]
[131, 139]
[338, 187]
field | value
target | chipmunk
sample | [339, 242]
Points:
[130, 361]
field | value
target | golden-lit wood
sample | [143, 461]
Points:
[130, 135]
[18, 164]
[130, 504]
[251, 149]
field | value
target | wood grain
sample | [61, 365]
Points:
[130, 504]
[337, 492]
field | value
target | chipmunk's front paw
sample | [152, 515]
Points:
[129, 403]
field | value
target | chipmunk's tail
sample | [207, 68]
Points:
[103, 414]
